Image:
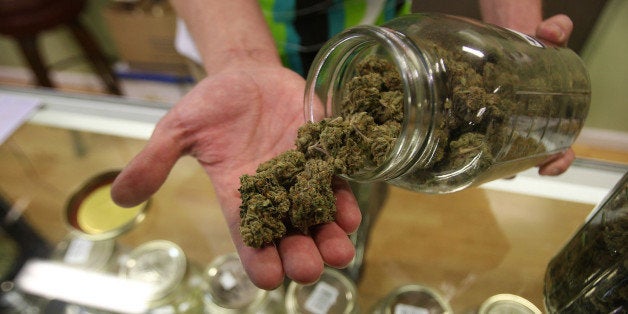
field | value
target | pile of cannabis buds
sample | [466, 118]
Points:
[293, 191]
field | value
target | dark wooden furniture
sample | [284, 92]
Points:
[25, 20]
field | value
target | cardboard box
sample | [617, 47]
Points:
[145, 39]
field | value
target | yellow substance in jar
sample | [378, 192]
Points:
[99, 214]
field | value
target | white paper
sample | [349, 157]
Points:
[14, 111]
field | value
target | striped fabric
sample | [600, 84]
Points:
[301, 27]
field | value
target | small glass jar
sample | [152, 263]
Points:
[479, 102]
[508, 303]
[91, 212]
[413, 298]
[228, 289]
[333, 293]
[590, 273]
[97, 255]
[164, 264]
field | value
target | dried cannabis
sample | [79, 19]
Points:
[483, 121]
[494, 115]
[590, 274]
[293, 191]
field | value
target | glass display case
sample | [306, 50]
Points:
[464, 247]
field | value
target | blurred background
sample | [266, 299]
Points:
[139, 42]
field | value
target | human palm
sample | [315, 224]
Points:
[230, 123]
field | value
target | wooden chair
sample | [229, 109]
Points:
[25, 20]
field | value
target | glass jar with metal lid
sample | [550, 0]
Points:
[95, 222]
[438, 103]
[590, 273]
[228, 289]
[164, 264]
[333, 293]
[91, 212]
[508, 303]
[413, 298]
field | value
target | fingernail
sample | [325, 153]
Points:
[556, 31]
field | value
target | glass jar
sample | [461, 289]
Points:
[590, 273]
[91, 212]
[333, 293]
[177, 283]
[413, 298]
[229, 290]
[477, 102]
[97, 255]
[508, 303]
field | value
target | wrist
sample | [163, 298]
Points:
[235, 58]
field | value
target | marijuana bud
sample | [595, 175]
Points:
[293, 191]
[312, 196]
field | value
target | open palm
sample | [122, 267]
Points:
[231, 122]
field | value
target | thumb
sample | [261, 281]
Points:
[146, 173]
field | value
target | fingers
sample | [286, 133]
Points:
[348, 216]
[145, 174]
[303, 256]
[334, 245]
[557, 164]
[555, 29]
[263, 266]
[301, 259]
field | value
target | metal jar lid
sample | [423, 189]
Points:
[158, 262]
[91, 212]
[414, 298]
[508, 304]
[332, 293]
[229, 289]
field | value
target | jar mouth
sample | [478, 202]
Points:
[335, 64]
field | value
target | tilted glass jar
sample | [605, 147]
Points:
[480, 102]
[590, 273]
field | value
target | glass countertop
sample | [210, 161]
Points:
[467, 246]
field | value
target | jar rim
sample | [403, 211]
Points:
[411, 64]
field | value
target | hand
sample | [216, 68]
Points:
[231, 122]
[556, 30]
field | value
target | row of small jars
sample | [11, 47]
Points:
[223, 286]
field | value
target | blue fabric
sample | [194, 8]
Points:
[284, 12]
[336, 18]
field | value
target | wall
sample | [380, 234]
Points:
[606, 57]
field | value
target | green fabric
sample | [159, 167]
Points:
[341, 14]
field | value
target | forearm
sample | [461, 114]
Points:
[520, 15]
[228, 33]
